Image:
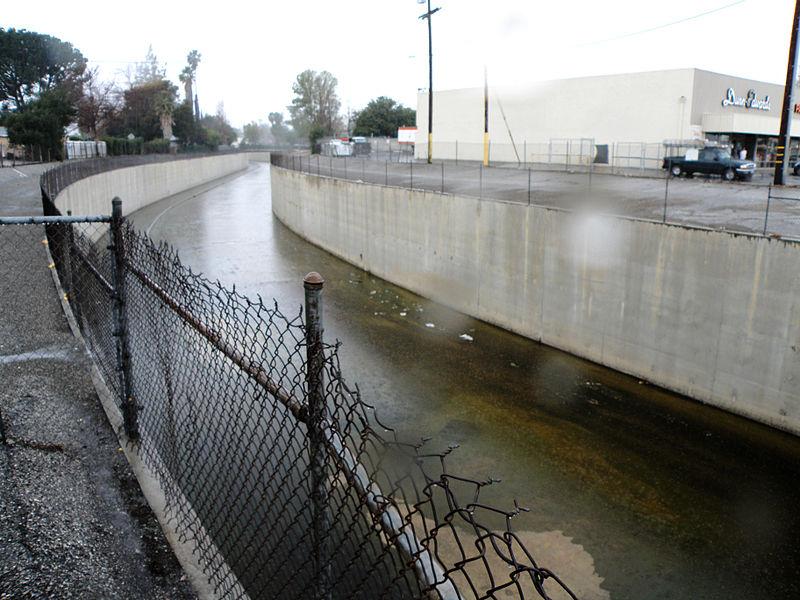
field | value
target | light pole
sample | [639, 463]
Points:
[784, 140]
[428, 16]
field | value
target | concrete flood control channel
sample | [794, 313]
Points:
[702, 201]
[634, 492]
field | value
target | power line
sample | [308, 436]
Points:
[665, 25]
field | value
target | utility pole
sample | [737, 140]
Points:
[784, 141]
[428, 16]
[485, 117]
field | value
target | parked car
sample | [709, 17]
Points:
[710, 161]
[796, 168]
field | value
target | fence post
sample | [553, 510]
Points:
[317, 165]
[345, 167]
[443, 176]
[766, 214]
[411, 172]
[129, 410]
[666, 196]
[529, 186]
[315, 385]
[525, 152]
[386, 168]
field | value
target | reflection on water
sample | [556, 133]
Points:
[634, 492]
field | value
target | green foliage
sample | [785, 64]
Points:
[185, 128]
[156, 147]
[315, 106]
[144, 105]
[42, 122]
[256, 134]
[118, 146]
[219, 131]
[32, 63]
[382, 117]
[280, 131]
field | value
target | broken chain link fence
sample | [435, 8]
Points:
[273, 465]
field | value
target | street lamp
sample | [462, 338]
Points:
[428, 16]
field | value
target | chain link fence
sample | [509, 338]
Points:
[703, 201]
[272, 463]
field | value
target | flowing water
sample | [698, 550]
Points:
[634, 492]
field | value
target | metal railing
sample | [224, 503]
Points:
[276, 467]
[703, 201]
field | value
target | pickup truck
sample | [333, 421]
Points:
[710, 161]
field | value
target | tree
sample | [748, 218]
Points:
[315, 106]
[33, 63]
[143, 110]
[99, 105]
[149, 70]
[165, 106]
[257, 134]
[42, 122]
[218, 129]
[189, 75]
[383, 116]
[280, 131]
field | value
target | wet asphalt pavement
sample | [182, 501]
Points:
[73, 521]
[635, 492]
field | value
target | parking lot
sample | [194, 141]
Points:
[700, 201]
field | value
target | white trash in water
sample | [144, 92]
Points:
[466, 337]
[431, 325]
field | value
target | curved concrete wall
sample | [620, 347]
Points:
[141, 185]
[712, 315]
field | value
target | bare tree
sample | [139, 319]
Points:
[98, 105]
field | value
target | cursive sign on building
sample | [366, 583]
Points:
[749, 101]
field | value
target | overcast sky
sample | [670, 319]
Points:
[252, 51]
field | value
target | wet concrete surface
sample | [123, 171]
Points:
[73, 521]
[634, 492]
[700, 201]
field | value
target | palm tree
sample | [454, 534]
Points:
[165, 106]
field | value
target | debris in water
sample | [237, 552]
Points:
[593, 401]
[513, 364]
[372, 293]
[465, 337]
[403, 314]
[431, 325]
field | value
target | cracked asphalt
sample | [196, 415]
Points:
[73, 520]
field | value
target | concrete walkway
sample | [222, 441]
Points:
[73, 521]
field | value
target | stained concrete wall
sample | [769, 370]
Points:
[713, 315]
[141, 185]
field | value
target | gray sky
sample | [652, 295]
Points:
[252, 51]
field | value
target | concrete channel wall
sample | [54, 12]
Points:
[141, 185]
[712, 315]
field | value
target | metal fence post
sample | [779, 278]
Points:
[525, 152]
[345, 167]
[129, 409]
[411, 173]
[766, 214]
[443, 177]
[317, 165]
[529, 186]
[315, 385]
[386, 168]
[666, 196]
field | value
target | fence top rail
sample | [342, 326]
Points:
[53, 219]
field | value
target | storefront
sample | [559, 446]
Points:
[651, 108]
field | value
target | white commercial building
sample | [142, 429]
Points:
[611, 119]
